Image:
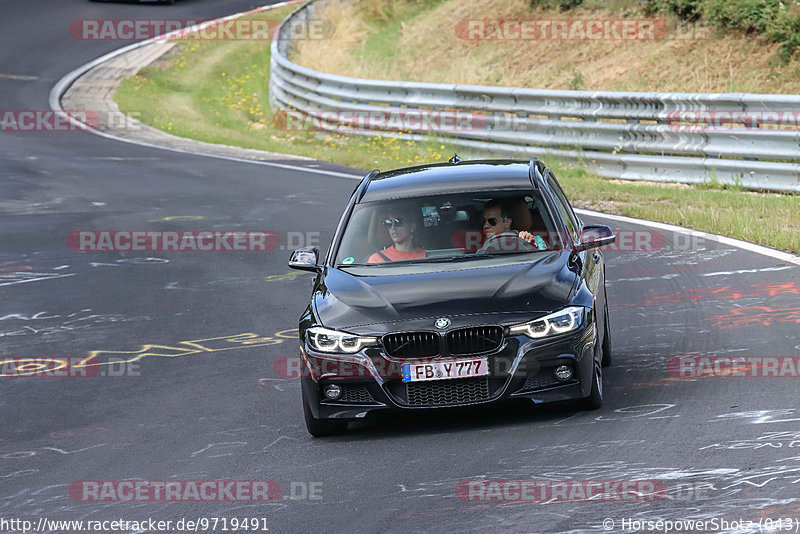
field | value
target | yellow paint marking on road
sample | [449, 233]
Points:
[187, 348]
[292, 333]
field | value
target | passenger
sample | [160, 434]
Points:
[499, 235]
[401, 231]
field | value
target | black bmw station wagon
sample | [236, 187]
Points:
[450, 285]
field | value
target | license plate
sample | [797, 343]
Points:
[441, 370]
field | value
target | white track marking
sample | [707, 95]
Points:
[751, 247]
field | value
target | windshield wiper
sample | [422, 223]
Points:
[495, 254]
[407, 262]
[445, 259]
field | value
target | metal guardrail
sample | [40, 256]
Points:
[628, 135]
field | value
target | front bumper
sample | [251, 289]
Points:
[520, 368]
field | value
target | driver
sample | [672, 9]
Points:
[499, 235]
[401, 230]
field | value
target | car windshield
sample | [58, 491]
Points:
[445, 228]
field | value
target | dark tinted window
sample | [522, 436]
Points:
[563, 207]
[443, 226]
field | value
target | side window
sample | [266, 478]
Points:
[563, 207]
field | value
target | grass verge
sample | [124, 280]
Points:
[216, 91]
[427, 41]
[768, 219]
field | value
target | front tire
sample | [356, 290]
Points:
[595, 398]
[321, 427]
[606, 360]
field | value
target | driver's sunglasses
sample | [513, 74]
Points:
[491, 220]
[397, 221]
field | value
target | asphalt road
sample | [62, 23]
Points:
[725, 448]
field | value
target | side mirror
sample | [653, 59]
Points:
[305, 259]
[594, 236]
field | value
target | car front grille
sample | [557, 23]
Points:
[411, 344]
[445, 392]
[461, 342]
[474, 340]
[356, 394]
[540, 381]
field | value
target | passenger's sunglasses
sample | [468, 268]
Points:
[491, 220]
[397, 221]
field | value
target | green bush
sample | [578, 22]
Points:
[747, 15]
[778, 21]
[563, 5]
[784, 28]
[690, 10]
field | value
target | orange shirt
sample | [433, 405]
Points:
[397, 255]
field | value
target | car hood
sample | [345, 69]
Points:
[466, 295]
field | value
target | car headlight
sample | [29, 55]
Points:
[560, 322]
[325, 340]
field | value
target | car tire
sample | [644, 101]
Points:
[321, 427]
[595, 398]
[606, 360]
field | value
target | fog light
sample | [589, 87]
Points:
[333, 392]
[564, 372]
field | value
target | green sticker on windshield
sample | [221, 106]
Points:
[348, 260]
